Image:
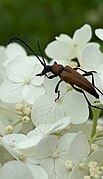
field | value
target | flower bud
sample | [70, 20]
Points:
[26, 119]
[9, 129]
[19, 107]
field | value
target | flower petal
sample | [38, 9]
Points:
[45, 110]
[37, 80]
[9, 142]
[58, 50]
[11, 92]
[37, 171]
[59, 125]
[50, 85]
[96, 156]
[83, 35]
[15, 169]
[80, 142]
[31, 93]
[65, 142]
[39, 131]
[76, 107]
[65, 38]
[27, 147]
[15, 49]
[45, 147]
[55, 168]
[12, 139]
[20, 69]
[99, 33]
[77, 173]
[92, 58]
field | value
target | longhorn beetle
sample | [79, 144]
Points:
[67, 74]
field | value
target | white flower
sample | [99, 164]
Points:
[90, 168]
[22, 84]
[65, 48]
[48, 110]
[55, 156]
[52, 154]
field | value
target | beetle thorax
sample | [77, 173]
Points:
[56, 69]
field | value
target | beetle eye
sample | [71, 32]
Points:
[55, 62]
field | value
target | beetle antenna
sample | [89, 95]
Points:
[39, 48]
[16, 38]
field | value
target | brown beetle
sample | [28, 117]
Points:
[69, 75]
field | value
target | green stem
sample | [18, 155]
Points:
[96, 113]
[19, 121]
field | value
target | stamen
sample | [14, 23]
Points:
[27, 111]
[94, 170]
[69, 164]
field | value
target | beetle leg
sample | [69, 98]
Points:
[89, 73]
[78, 68]
[81, 91]
[51, 77]
[56, 89]
[57, 86]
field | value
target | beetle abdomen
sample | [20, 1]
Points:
[71, 76]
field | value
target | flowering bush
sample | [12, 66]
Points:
[43, 135]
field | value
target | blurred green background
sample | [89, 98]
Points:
[45, 19]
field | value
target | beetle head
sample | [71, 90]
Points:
[47, 69]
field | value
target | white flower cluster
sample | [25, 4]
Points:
[45, 135]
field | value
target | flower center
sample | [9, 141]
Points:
[26, 82]
[59, 101]
[75, 45]
[55, 155]
[95, 170]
